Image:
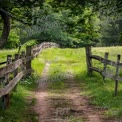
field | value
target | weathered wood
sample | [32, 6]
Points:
[88, 59]
[117, 74]
[23, 65]
[105, 65]
[13, 66]
[28, 54]
[108, 62]
[36, 54]
[16, 70]
[29, 58]
[109, 75]
[8, 88]
[6, 98]
[104, 72]
[40, 46]
[10, 67]
[96, 69]
[36, 50]
[119, 78]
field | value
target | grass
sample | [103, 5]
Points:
[63, 60]
[38, 65]
[4, 53]
[18, 110]
[100, 91]
[56, 76]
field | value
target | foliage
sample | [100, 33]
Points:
[47, 25]
[29, 43]
[69, 23]
[17, 10]
[13, 40]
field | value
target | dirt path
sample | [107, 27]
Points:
[64, 106]
[41, 107]
[81, 103]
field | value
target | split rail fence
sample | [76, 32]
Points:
[106, 62]
[16, 68]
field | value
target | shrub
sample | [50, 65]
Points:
[13, 40]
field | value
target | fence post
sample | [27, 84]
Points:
[88, 59]
[23, 60]
[16, 57]
[105, 65]
[117, 74]
[28, 55]
[6, 98]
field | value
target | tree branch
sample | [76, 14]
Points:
[10, 15]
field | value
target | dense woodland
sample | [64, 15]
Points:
[71, 23]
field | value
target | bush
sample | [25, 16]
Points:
[13, 40]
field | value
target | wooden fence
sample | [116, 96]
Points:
[104, 72]
[16, 68]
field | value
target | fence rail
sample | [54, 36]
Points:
[105, 62]
[17, 68]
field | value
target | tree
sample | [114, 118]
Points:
[6, 12]
[79, 19]
[110, 14]
[77, 15]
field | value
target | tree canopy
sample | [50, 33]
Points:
[71, 23]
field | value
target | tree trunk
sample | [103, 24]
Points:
[6, 28]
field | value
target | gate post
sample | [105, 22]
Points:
[88, 59]
[6, 98]
[28, 57]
